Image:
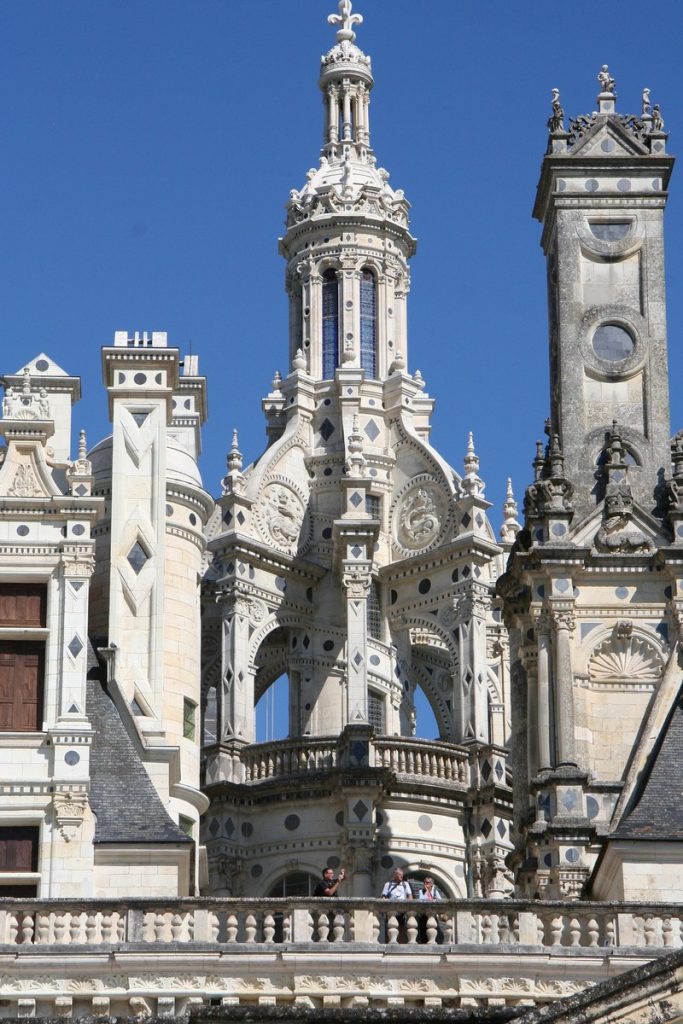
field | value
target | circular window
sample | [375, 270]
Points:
[612, 343]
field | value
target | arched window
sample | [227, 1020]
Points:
[330, 324]
[368, 322]
[374, 613]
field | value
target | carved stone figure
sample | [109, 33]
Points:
[419, 517]
[556, 119]
[657, 120]
[617, 534]
[607, 83]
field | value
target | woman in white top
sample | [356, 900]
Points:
[429, 891]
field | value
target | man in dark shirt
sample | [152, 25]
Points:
[329, 884]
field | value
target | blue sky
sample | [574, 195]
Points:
[149, 148]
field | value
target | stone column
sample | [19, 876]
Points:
[236, 710]
[543, 722]
[356, 581]
[563, 622]
[471, 612]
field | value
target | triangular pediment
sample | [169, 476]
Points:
[608, 137]
[42, 366]
[584, 533]
[25, 473]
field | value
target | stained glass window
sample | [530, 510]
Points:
[368, 322]
[330, 324]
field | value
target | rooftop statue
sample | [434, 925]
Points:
[607, 83]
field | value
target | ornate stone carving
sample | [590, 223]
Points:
[624, 658]
[69, 812]
[556, 119]
[607, 83]
[281, 514]
[356, 580]
[419, 516]
[24, 403]
[24, 484]
[617, 534]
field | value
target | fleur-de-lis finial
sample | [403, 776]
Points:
[346, 21]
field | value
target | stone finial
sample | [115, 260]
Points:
[356, 459]
[472, 483]
[82, 446]
[646, 103]
[235, 459]
[346, 20]
[556, 119]
[399, 364]
[511, 526]
[299, 360]
[277, 381]
[419, 379]
[607, 84]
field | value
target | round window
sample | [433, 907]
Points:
[612, 343]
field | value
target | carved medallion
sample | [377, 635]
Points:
[282, 518]
[419, 515]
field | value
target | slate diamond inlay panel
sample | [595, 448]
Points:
[355, 499]
[360, 810]
[372, 430]
[326, 429]
[486, 828]
[356, 551]
[357, 658]
[75, 646]
[137, 558]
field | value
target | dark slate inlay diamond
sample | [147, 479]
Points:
[466, 519]
[81, 490]
[137, 558]
[292, 822]
[247, 829]
[214, 827]
[357, 659]
[360, 809]
[306, 642]
[355, 499]
[486, 828]
[372, 430]
[75, 646]
[500, 828]
[356, 551]
[486, 770]
[227, 517]
[76, 585]
[240, 518]
[140, 417]
[326, 429]
[479, 520]
[499, 770]
[229, 827]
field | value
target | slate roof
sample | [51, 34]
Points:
[122, 796]
[656, 811]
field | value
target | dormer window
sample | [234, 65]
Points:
[330, 324]
[368, 322]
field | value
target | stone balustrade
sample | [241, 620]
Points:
[442, 762]
[378, 923]
[288, 757]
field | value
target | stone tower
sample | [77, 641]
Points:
[354, 560]
[593, 587]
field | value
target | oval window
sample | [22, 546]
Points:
[612, 343]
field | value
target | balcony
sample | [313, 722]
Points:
[119, 957]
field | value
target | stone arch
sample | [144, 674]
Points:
[437, 698]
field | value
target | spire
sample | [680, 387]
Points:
[511, 525]
[472, 483]
[234, 480]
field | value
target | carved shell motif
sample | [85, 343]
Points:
[625, 660]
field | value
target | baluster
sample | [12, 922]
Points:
[76, 928]
[42, 928]
[214, 926]
[638, 927]
[449, 930]
[486, 928]
[120, 927]
[575, 932]
[27, 930]
[650, 931]
[556, 929]
[432, 930]
[176, 927]
[540, 930]
[107, 927]
[91, 929]
[610, 932]
[250, 928]
[59, 924]
[12, 927]
[593, 932]
[375, 927]
[668, 932]
[338, 927]
[515, 928]
[268, 928]
[231, 928]
[503, 928]
[287, 926]
[323, 927]
[392, 928]
[411, 928]
[148, 931]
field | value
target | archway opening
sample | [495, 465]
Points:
[426, 724]
[272, 712]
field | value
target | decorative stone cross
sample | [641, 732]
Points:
[345, 20]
